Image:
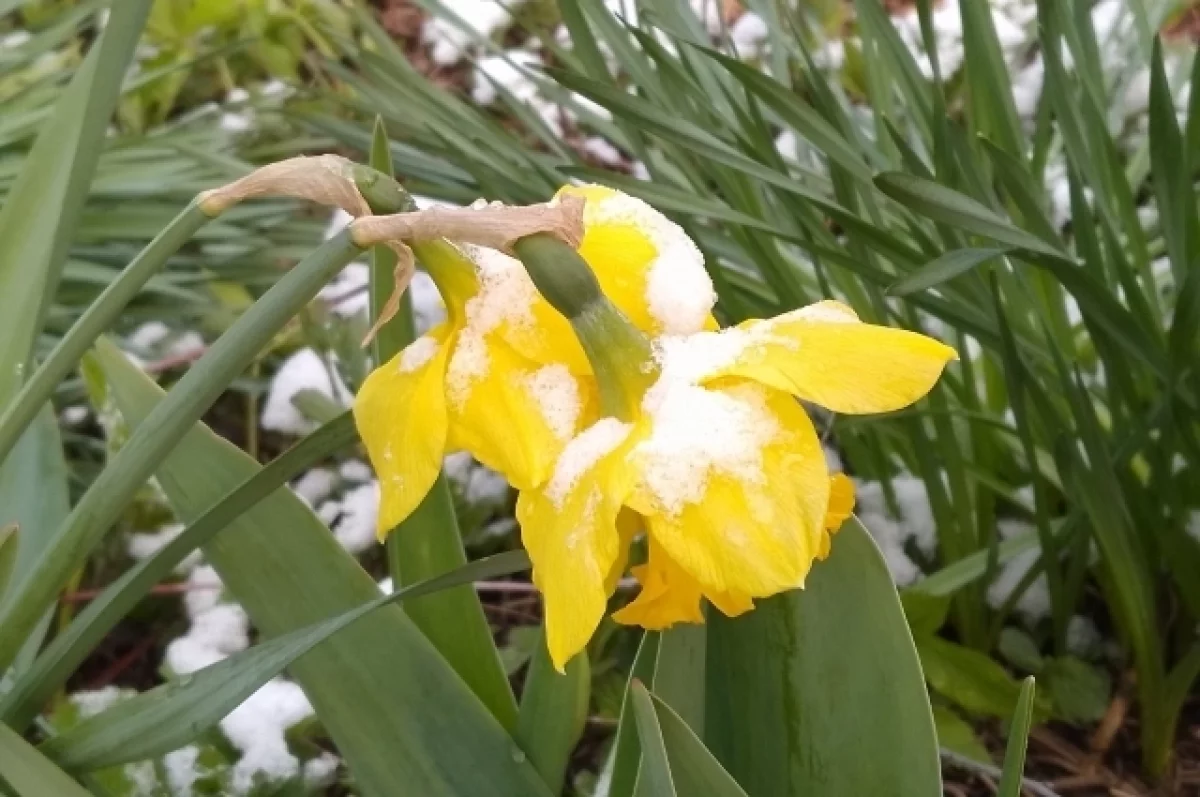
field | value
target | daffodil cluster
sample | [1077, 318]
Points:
[712, 457]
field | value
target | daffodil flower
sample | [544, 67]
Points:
[463, 386]
[721, 464]
[505, 377]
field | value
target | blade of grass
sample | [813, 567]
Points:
[9, 539]
[553, 712]
[35, 495]
[675, 761]
[205, 381]
[44, 204]
[944, 268]
[24, 772]
[958, 210]
[70, 647]
[1018, 740]
[170, 716]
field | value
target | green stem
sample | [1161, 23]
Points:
[95, 320]
[620, 354]
[112, 490]
[429, 543]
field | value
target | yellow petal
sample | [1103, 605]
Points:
[841, 505]
[512, 414]
[824, 354]
[401, 416]
[669, 595]
[754, 536]
[569, 528]
[645, 263]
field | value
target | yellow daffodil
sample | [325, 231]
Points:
[462, 386]
[505, 377]
[723, 467]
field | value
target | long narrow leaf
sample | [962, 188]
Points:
[403, 720]
[1018, 740]
[44, 203]
[553, 712]
[24, 772]
[166, 718]
[70, 647]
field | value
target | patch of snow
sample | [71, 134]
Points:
[749, 35]
[602, 151]
[556, 393]
[355, 529]
[303, 370]
[679, 291]
[582, 453]
[1034, 604]
[355, 470]
[315, 485]
[144, 545]
[450, 43]
[698, 433]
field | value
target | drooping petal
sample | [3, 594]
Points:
[669, 595]
[569, 528]
[752, 529]
[645, 263]
[841, 506]
[824, 354]
[401, 416]
[513, 415]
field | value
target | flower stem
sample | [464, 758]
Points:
[620, 354]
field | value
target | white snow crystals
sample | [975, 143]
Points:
[679, 291]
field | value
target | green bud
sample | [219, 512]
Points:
[383, 194]
[620, 354]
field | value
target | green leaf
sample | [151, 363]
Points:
[1172, 179]
[8, 553]
[34, 496]
[71, 646]
[625, 757]
[553, 711]
[944, 268]
[403, 720]
[924, 612]
[956, 734]
[989, 87]
[44, 203]
[819, 691]
[27, 773]
[948, 206]
[170, 716]
[675, 763]
[967, 677]
[1020, 650]
[1080, 692]
[1018, 740]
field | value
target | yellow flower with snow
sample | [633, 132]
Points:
[463, 386]
[721, 464]
[505, 377]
